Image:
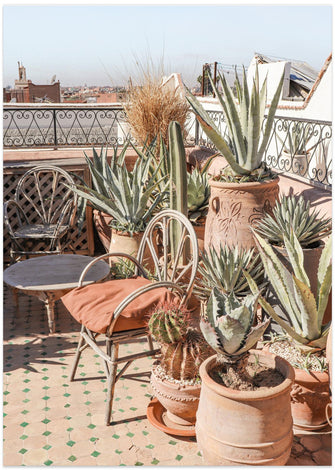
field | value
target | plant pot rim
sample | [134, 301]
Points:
[168, 382]
[315, 376]
[125, 233]
[249, 395]
[245, 185]
[283, 249]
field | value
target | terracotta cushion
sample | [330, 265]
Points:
[94, 305]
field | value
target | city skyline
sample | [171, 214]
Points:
[104, 45]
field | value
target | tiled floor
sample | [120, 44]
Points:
[51, 421]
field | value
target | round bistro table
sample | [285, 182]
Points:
[49, 277]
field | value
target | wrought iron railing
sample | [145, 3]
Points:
[63, 125]
[302, 147]
[29, 126]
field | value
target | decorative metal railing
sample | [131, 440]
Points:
[60, 126]
[302, 147]
[29, 126]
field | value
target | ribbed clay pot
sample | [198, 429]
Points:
[181, 403]
[234, 208]
[102, 224]
[309, 397]
[236, 427]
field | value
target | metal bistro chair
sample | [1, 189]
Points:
[42, 210]
[176, 279]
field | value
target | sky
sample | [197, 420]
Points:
[106, 44]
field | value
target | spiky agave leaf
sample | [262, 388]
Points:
[228, 328]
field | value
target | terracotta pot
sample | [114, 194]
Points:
[236, 427]
[234, 208]
[300, 162]
[181, 403]
[102, 224]
[125, 243]
[329, 355]
[309, 397]
[200, 233]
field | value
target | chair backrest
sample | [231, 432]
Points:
[178, 263]
[43, 195]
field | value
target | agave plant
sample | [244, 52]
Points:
[229, 328]
[305, 311]
[297, 138]
[183, 348]
[225, 271]
[245, 147]
[130, 197]
[292, 212]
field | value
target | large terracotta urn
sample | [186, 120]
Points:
[235, 427]
[234, 208]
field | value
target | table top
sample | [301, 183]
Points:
[53, 272]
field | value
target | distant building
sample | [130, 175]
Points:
[27, 92]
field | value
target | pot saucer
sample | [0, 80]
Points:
[157, 415]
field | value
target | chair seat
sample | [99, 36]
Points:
[37, 231]
[93, 305]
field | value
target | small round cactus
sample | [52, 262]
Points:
[183, 348]
[168, 323]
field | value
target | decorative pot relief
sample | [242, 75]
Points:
[234, 208]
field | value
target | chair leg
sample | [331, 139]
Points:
[111, 383]
[77, 356]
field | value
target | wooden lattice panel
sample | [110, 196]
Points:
[82, 242]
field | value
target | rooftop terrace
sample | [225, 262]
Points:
[51, 421]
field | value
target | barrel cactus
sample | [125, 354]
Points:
[183, 348]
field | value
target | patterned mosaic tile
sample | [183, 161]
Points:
[50, 421]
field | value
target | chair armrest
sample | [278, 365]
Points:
[107, 255]
[6, 207]
[137, 293]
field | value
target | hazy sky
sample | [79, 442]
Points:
[99, 44]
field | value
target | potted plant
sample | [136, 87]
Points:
[224, 269]
[129, 197]
[244, 415]
[175, 376]
[292, 212]
[307, 334]
[246, 188]
[295, 145]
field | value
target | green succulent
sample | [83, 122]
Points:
[198, 192]
[305, 311]
[129, 196]
[246, 145]
[229, 328]
[292, 212]
[225, 271]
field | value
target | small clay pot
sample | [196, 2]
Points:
[309, 399]
[181, 402]
[200, 233]
[123, 242]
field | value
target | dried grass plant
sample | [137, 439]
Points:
[151, 107]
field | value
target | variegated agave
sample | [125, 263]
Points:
[228, 328]
[304, 310]
[245, 146]
[129, 196]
